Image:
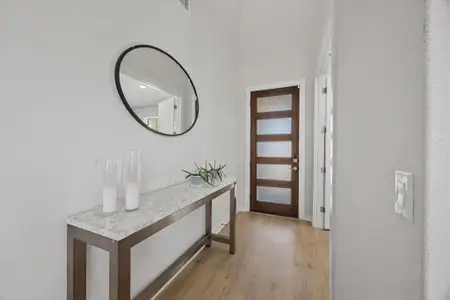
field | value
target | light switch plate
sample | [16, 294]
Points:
[407, 179]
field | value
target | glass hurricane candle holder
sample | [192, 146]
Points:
[109, 175]
[132, 179]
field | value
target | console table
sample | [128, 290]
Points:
[117, 233]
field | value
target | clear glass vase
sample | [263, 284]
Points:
[132, 179]
[109, 177]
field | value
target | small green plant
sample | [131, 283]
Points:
[211, 174]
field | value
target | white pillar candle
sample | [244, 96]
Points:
[109, 199]
[132, 196]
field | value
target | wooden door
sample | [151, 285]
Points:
[274, 146]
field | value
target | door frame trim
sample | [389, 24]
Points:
[301, 83]
[320, 120]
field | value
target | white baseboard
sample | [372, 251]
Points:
[244, 209]
[307, 219]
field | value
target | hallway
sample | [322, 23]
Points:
[276, 258]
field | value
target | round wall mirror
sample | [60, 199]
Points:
[156, 90]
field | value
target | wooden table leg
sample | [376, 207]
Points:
[76, 268]
[120, 273]
[208, 217]
[233, 220]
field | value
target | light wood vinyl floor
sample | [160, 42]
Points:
[276, 258]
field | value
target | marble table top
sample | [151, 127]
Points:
[154, 206]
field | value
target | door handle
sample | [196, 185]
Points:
[294, 168]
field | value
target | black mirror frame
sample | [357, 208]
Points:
[124, 99]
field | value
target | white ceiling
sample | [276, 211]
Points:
[149, 65]
[137, 96]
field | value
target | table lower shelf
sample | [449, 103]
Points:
[152, 289]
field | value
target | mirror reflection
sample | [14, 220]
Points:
[156, 90]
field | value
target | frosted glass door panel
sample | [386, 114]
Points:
[274, 126]
[273, 195]
[275, 103]
[274, 172]
[274, 149]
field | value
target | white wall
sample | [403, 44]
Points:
[57, 87]
[279, 41]
[379, 95]
[437, 225]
